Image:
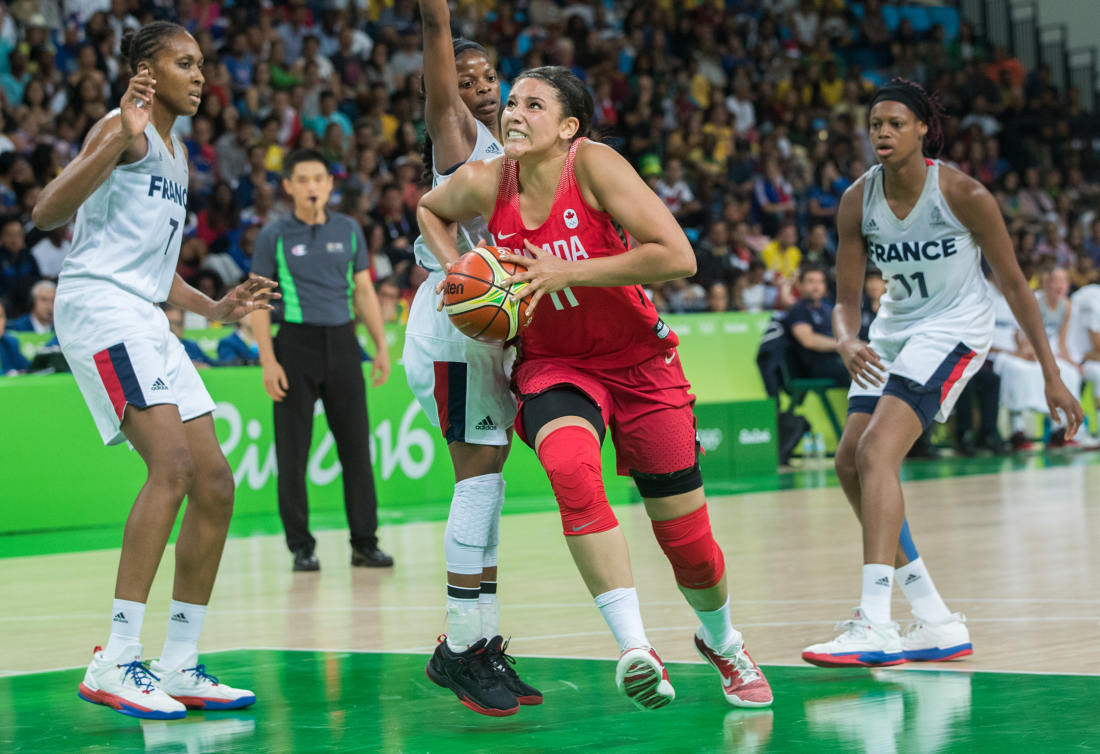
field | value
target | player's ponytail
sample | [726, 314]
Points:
[146, 42]
[573, 96]
[925, 106]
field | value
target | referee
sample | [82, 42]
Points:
[321, 262]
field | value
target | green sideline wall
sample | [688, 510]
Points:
[56, 474]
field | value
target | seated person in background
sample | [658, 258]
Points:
[175, 324]
[394, 308]
[257, 175]
[718, 298]
[398, 226]
[239, 348]
[812, 347]
[752, 292]
[685, 297]
[51, 251]
[1083, 333]
[714, 258]
[675, 192]
[18, 270]
[781, 255]
[12, 360]
[985, 387]
[1022, 385]
[40, 318]
[819, 249]
[873, 288]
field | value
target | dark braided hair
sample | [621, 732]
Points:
[459, 45]
[925, 106]
[146, 42]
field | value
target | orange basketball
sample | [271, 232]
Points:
[477, 300]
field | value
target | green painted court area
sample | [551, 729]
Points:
[359, 702]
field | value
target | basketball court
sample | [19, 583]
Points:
[336, 658]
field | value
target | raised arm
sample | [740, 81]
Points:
[115, 140]
[862, 362]
[469, 193]
[977, 210]
[448, 120]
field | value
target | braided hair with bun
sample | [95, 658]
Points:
[146, 42]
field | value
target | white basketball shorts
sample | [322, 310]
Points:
[122, 353]
[928, 364]
[462, 384]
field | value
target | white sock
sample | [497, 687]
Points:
[921, 592]
[623, 614]
[720, 635]
[489, 606]
[184, 628]
[126, 619]
[1017, 419]
[463, 617]
[878, 584]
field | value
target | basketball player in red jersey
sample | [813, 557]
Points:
[596, 355]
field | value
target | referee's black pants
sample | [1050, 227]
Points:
[324, 362]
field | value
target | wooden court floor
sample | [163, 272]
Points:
[1018, 553]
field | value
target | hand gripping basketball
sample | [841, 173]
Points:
[480, 300]
[545, 273]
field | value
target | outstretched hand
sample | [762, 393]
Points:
[253, 294]
[1059, 397]
[543, 274]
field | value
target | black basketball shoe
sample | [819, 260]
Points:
[502, 663]
[471, 676]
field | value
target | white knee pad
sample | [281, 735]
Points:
[473, 523]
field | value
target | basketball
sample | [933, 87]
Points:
[478, 302]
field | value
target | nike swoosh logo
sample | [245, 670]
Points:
[502, 236]
[670, 357]
[578, 528]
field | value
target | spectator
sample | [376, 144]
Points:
[399, 226]
[49, 253]
[812, 349]
[874, 287]
[239, 348]
[40, 318]
[781, 255]
[12, 360]
[773, 198]
[718, 298]
[820, 250]
[194, 352]
[18, 270]
[258, 175]
[675, 193]
[263, 209]
[389, 297]
[752, 292]
[231, 150]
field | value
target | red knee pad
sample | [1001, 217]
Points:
[696, 558]
[571, 457]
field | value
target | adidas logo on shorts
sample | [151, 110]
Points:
[486, 424]
[159, 385]
[884, 581]
[912, 577]
[120, 618]
[180, 618]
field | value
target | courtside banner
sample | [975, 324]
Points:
[57, 474]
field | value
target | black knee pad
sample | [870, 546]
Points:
[667, 485]
[556, 403]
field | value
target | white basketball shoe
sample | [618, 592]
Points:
[127, 686]
[191, 686]
[863, 644]
[641, 677]
[924, 641]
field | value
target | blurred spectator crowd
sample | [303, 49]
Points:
[747, 117]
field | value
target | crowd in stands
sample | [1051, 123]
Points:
[747, 117]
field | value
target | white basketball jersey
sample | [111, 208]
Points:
[929, 260]
[128, 232]
[471, 231]
[1084, 317]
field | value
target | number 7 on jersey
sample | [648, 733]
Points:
[175, 226]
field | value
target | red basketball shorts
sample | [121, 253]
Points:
[647, 407]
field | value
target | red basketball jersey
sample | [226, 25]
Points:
[596, 327]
